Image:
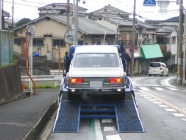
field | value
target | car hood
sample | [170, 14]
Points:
[96, 72]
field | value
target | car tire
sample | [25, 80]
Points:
[149, 74]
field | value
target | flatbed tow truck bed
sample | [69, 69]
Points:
[70, 112]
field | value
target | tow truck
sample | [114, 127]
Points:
[96, 89]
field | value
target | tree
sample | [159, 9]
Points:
[166, 55]
[23, 21]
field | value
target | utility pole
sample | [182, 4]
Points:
[179, 69]
[13, 15]
[73, 23]
[184, 49]
[67, 26]
[0, 15]
[3, 20]
[76, 26]
[133, 39]
[68, 10]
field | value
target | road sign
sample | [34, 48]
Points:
[69, 36]
[149, 3]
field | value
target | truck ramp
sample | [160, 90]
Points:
[68, 118]
[125, 112]
[127, 117]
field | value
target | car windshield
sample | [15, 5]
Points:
[154, 64]
[96, 60]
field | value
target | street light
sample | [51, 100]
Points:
[179, 60]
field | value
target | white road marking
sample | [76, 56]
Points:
[183, 119]
[144, 95]
[109, 128]
[147, 97]
[107, 121]
[163, 106]
[144, 88]
[171, 88]
[113, 137]
[157, 88]
[157, 102]
[178, 114]
[167, 83]
[169, 109]
[152, 100]
[98, 132]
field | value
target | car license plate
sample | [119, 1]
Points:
[95, 84]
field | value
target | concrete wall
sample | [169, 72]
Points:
[10, 84]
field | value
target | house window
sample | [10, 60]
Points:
[96, 42]
[17, 41]
[58, 42]
[110, 42]
[167, 40]
[173, 40]
[80, 42]
[38, 41]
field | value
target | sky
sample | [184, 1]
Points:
[29, 8]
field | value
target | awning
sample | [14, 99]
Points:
[151, 51]
[137, 52]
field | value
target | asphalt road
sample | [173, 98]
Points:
[161, 107]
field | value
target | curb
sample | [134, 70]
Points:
[38, 127]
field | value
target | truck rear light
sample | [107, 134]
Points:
[115, 80]
[76, 80]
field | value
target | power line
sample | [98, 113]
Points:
[22, 4]
[33, 2]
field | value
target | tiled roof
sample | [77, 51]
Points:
[145, 25]
[59, 6]
[111, 10]
[166, 28]
[86, 25]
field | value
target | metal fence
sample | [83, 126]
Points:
[6, 47]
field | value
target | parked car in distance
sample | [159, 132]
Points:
[96, 70]
[158, 68]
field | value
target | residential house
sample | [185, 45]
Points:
[6, 21]
[50, 31]
[168, 38]
[59, 9]
[107, 25]
[119, 21]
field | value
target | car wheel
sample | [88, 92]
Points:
[149, 75]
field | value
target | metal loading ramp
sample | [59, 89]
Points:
[127, 117]
[70, 112]
[67, 119]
